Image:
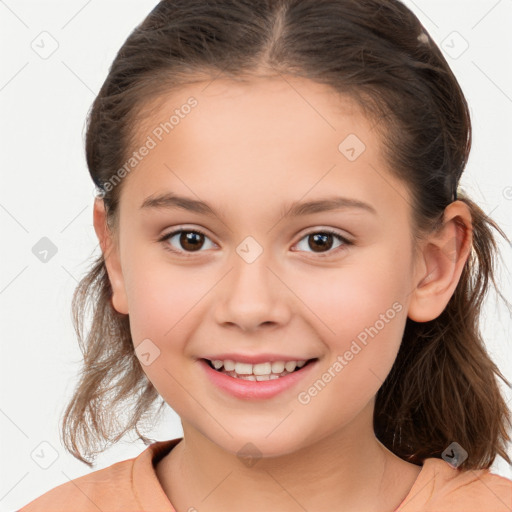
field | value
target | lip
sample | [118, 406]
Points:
[248, 389]
[256, 358]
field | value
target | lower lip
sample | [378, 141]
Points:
[241, 388]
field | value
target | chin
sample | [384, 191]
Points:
[253, 443]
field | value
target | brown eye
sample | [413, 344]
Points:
[186, 241]
[191, 240]
[320, 241]
[323, 241]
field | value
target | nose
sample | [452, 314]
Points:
[252, 296]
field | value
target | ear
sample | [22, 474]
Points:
[440, 262]
[110, 250]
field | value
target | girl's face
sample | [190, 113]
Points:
[253, 276]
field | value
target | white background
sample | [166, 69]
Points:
[46, 191]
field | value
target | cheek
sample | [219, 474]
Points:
[351, 298]
[365, 317]
[163, 299]
[164, 304]
[360, 311]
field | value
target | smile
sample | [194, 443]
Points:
[269, 370]
[258, 380]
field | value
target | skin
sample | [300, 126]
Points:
[267, 143]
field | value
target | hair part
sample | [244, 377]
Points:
[377, 53]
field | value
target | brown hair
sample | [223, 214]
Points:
[443, 386]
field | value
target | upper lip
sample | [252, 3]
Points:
[255, 358]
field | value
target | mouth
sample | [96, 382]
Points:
[270, 370]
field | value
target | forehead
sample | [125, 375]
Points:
[266, 139]
[284, 97]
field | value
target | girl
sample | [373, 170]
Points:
[288, 262]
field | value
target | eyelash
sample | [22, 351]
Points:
[342, 239]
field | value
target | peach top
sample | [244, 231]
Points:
[132, 486]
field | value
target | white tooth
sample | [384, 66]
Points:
[273, 377]
[217, 364]
[263, 377]
[243, 368]
[262, 369]
[277, 366]
[247, 377]
[300, 364]
[229, 365]
[290, 366]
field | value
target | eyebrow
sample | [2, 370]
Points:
[171, 201]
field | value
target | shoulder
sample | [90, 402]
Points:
[442, 488]
[114, 488]
[93, 491]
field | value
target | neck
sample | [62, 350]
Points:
[347, 471]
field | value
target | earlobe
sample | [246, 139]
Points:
[111, 256]
[443, 256]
